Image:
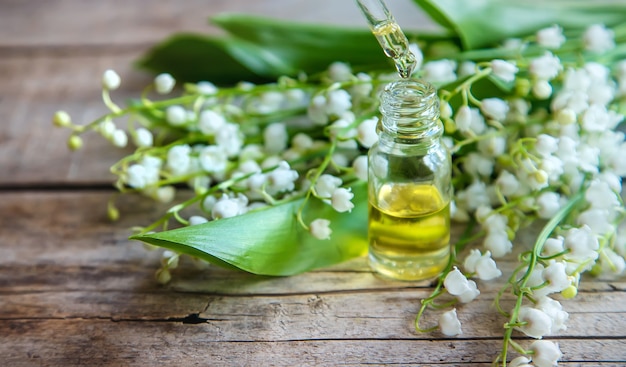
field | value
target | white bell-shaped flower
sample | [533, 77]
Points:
[225, 207]
[553, 309]
[551, 37]
[504, 70]
[320, 229]
[210, 122]
[340, 200]
[545, 353]
[498, 243]
[459, 286]
[326, 184]
[553, 246]
[536, 322]
[582, 244]
[494, 108]
[275, 137]
[556, 279]
[548, 204]
[449, 323]
[545, 67]
[597, 38]
[360, 167]
[212, 158]
[482, 265]
[366, 132]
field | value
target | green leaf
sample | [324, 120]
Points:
[193, 57]
[306, 47]
[261, 49]
[483, 23]
[270, 241]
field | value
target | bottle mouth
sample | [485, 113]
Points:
[409, 106]
[409, 94]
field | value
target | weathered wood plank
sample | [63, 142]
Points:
[381, 314]
[106, 343]
[32, 151]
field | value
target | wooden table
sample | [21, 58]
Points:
[75, 291]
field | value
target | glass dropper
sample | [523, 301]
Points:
[389, 35]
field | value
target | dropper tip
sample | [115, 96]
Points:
[389, 35]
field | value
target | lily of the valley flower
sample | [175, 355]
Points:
[482, 265]
[449, 323]
[459, 286]
[320, 229]
[545, 353]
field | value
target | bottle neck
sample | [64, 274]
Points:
[410, 113]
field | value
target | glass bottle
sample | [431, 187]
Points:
[409, 185]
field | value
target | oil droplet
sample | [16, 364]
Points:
[396, 46]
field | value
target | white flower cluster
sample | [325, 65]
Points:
[242, 143]
[524, 158]
[544, 144]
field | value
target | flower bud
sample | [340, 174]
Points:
[75, 142]
[569, 292]
[176, 115]
[197, 219]
[119, 138]
[445, 110]
[143, 138]
[110, 80]
[566, 116]
[164, 83]
[542, 89]
[522, 87]
[163, 276]
[62, 119]
[112, 212]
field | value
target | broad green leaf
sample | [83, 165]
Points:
[193, 57]
[270, 241]
[306, 47]
[261, 49]
[312, 47]
[485, 22]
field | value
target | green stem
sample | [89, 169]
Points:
[466, 238]
[535, 255]
[322, 167]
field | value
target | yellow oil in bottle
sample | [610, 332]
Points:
[395, 45]
[409, 231]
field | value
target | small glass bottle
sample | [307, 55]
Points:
[409, 185]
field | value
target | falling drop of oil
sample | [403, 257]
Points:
[396, 46]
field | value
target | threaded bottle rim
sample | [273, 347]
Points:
[409, 106]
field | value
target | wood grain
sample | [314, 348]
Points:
[75, 291]
[105, 343]
[76, 274]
